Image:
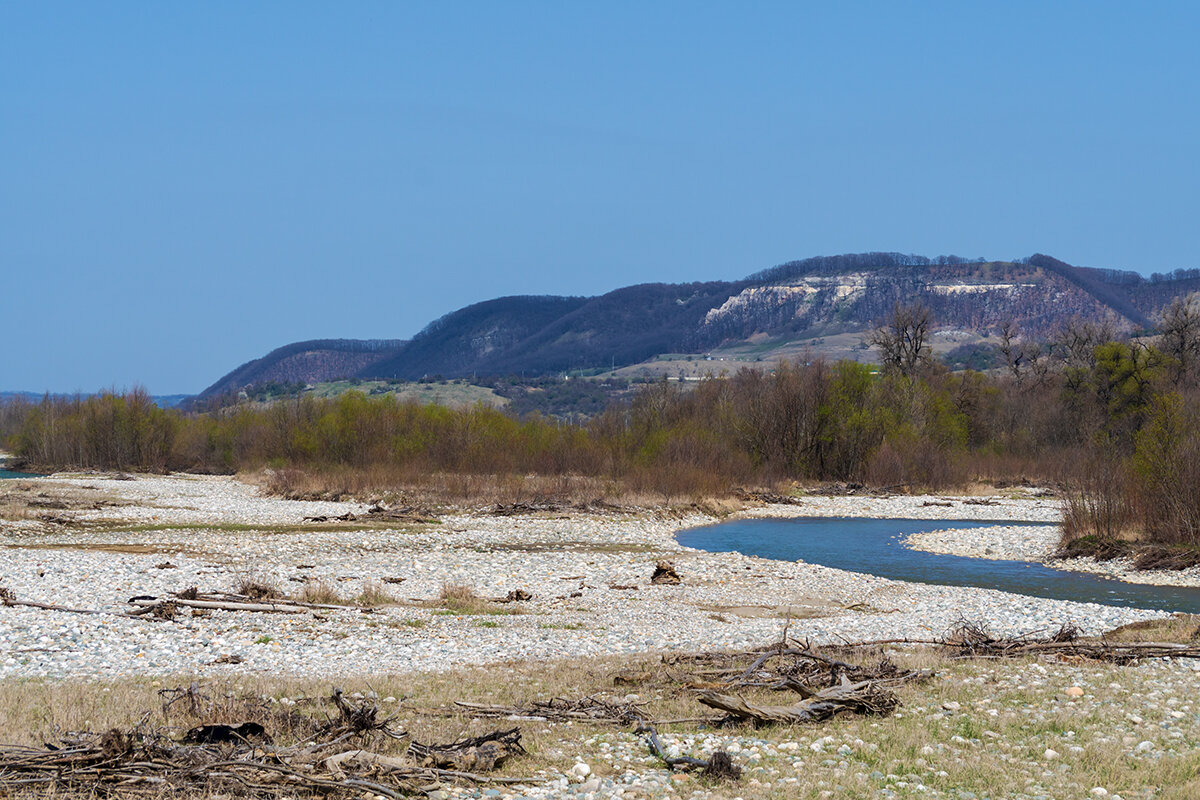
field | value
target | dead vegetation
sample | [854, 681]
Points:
[266, 753]
[335, 741]
[319, 592]
[458, 598]
[1141, 555]
[256, 588]
[973, 640]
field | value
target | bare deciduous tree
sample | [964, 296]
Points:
[1023, 357]
[901, 339]
[1180, 340]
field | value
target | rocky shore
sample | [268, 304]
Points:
[1038, 543]
[588, 574]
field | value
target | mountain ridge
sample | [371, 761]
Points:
[797, 300]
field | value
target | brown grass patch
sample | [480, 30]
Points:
[374, 595]
[1181, 628]
[458, 598]
[256, 587]
[319, 592]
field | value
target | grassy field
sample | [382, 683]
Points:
[453, 394]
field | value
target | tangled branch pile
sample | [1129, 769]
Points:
[560, 709]
[972, 640]
[350, 753]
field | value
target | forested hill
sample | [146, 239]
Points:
[308, 362]
[794, 301]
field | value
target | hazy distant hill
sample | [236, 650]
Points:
[161, 400]
[799, 300]
[308, 362]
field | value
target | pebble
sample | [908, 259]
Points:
[1038, 543]
[494, 555]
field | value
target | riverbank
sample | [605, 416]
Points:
[1019, 730]
[990, 728]
[1039, 543]
[588, 574]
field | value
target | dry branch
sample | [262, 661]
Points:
[720, 765]
[8, 598]
[972, 640]
[224, 605]
[863, 697]
[230, 758]
[558, 709]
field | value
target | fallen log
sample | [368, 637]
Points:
[277, 608]
[479, 753]
[863, 697]
[558, 709]
[7, 598]
[720, 765]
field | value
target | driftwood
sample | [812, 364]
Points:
[558, 709]
[544, 506]
[228, 601]
[222, 605]
[477, 754]
[230, 758]
[771, 498]
[719, 766]
[786, 665]
[665, 574]
[347, 517]
[379, 512]
[863, 697]
[9, 598]
[973, 640]
[402, 514]
[536, 507]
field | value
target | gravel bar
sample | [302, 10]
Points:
[569, 562]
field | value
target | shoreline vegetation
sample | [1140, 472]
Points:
[1113, 425]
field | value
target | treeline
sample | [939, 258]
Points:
[913, 425]
[1116, 422]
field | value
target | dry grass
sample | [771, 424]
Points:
[256, 587]
[374, 595]
[386, 484]
[319, 592]
[992, 744]
[1181, 628]
[459, 598]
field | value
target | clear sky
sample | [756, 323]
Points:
[185, 186]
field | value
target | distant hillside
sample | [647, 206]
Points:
[313, 361]
[797, 301]
[161, 400]
[539, 335]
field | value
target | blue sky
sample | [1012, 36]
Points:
[184, 186]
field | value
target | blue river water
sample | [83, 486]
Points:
[875, 546]
[8, 473]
